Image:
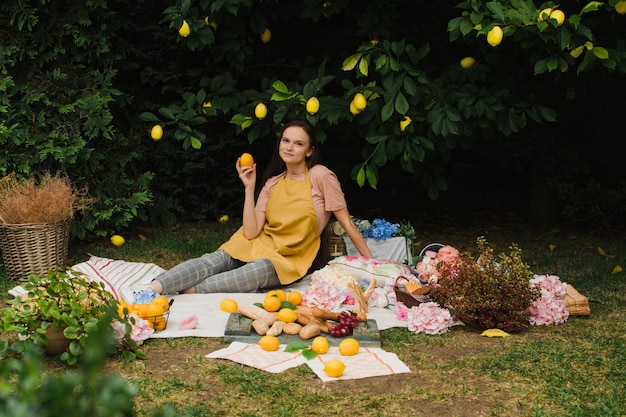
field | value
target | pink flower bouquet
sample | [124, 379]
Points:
[549, 308]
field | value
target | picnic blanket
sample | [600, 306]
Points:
[369, 362]
[115, 274]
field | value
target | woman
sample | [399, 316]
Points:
[280, 236]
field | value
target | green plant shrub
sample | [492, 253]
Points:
[490, 292]
[68, 302]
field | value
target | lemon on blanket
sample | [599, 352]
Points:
[349, 347]
[269, 343]
[334, 368]
[281, 294]
[319, 345]
[228, 305]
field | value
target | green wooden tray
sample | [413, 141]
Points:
[239, 329]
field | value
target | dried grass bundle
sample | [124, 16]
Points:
[51, 199]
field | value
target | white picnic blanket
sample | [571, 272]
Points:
[369, 362]
[206, 307]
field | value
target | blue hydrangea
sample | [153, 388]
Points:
[381, 229]
[145, 297]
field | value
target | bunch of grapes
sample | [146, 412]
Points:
[344, 326]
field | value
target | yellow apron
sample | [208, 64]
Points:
[289, 238]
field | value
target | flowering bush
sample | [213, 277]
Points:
[549, 308]
[491, 292]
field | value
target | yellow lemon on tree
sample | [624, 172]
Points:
[404, 123]
[312, 105]
[266, 35]
[494, 37]
[467, 62]
[156, 133]
[272, 303]
[295, 297]
[559, 16]
[269, 343]
[353, 108]
[287, 315]
[260, 111]
[359, 101]
[620, 7]
[246, 160]
[223, 218]
[228, 305]
[184, 30]
[319, 345]
[334, 368]
[349, 346]
[117, 240]
[544, 14]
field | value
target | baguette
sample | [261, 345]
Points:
[257, 313]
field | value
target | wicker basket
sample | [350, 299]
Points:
[33, 248]
[407, 298]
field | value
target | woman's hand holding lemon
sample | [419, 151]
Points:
[246, 169]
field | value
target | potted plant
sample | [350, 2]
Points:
[35, 220]
[56, 312]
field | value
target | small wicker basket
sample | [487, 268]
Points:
[410, 299]
[33, 248]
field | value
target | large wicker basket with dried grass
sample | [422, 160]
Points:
[35, 220]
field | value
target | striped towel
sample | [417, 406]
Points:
[114, 274]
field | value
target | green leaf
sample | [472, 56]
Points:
[309, 354]
[280, 87]
[600, 52]
[195, 143]
[350, 62]
[401, 105]
[387, 110]
[372, 180]
[295, 346]
[360, 177]
[591, 6]
[148, 117]
[364, 66]
[288, 304]
[258, 304]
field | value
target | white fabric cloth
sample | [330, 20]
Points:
[393, 249]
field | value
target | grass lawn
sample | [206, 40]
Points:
[575, 369]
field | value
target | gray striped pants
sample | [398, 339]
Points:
[219, 272]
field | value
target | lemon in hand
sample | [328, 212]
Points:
[246, 160]
[117, 240]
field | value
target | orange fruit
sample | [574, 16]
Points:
[287, 315]
[334, 368]
[272, 303]
[319, 345]
[281, 294]
[246, 160]
[162, 302]
[228, 305]
[269, 343]
[295, 297]
[349, 346]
